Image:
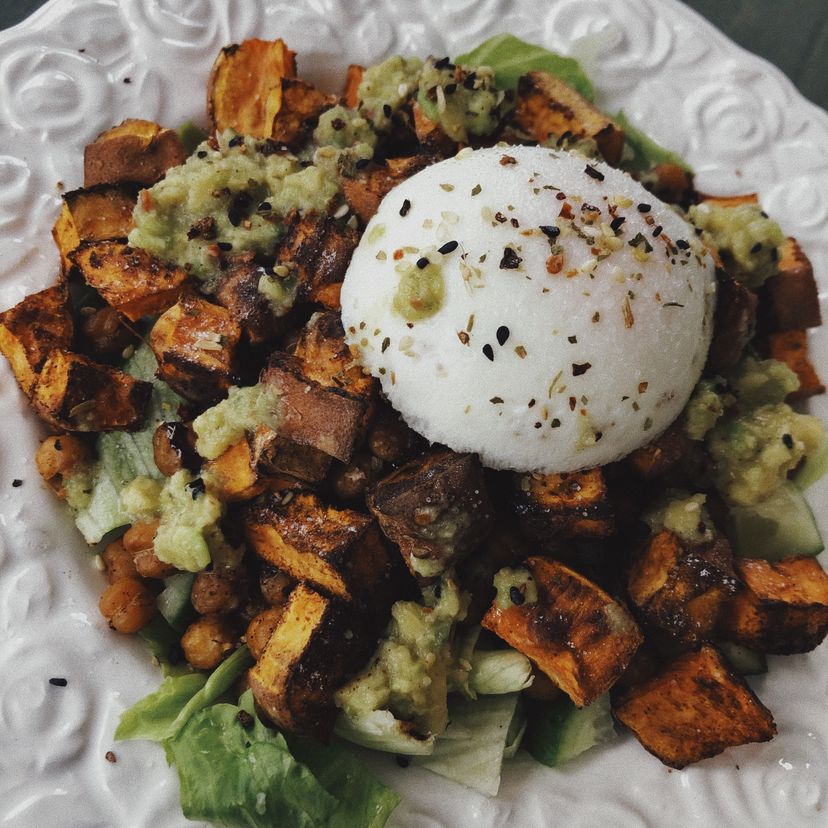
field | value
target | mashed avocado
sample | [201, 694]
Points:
[745, 237]
[472, 107]
[514, 583]
[420, 292]
[757, 382]
[385, 87]
[684, 514]
[709, 401]
[244, 409]
[408, 674]
[234, 195]
[343, 128]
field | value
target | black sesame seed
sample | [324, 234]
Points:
[616, 223]
[572, 339]
[387, 111]
[682, 244]
[598, 435]
[422, 262]
[502, 335]
[644, 208]
[579, 368]
[265, 207]
[556, 423]
[756, 247]
[516, 596]
[488, 352]
[593, 173]
[787, 439]
[510, 259]
[362, 163]
[538, 425]
[444, 63]
[202, 153]
[17, 482]
[450, 88]
[448, 247]
[225, 246]
[470, 79]
[657, 231]
[58, 682]
[550, 231]
[235, 141]
[337, 124]
[406, 206]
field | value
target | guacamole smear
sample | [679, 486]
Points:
[420, 292]
[683, 514]
[386, 87]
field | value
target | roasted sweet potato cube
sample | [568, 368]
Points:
[693, 709]
[328, 360]
[663, 455]
[436, 508]
[74, 393]
[195, 342]
[318, 250]
[32, 329]
[233, 473]
[339, 551]
[274, 455]
[135, 150]
[129, 279]
[575, 632]
[679, 587]
[783, 607]
[791, 347]
[317, 645]
[791, 296]
[568, 505]
[733, 322]
[430, 134]
[93, 214]
[300, 108]
[244, 92]
[366, 190]
[546, 107]
[328, 418]
[353, 78]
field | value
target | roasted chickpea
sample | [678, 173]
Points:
[213, 592]
[391, 439]
[260, 629]
[207, 641]
[106, 333]
[275, 585]
[140, 536]
[127, 605]
[173, 448]
[149, 565]
[119, 563]
[58, 456]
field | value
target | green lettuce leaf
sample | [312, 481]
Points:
[643, 152]
[510, 57]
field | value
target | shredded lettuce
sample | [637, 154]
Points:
[381, 730]
[510, 57]
[644, 152]
[495, 672]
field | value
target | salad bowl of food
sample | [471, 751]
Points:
[426, 423]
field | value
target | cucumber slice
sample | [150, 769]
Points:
[174, 600]
[559, 731]
[777, 528]
[743, 660]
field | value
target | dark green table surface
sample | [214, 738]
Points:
[793, 34]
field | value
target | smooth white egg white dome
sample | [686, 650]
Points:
[530, 368]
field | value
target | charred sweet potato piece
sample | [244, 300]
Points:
[234, 475]
[339, 551]
[93, 214]
[274, 455]
[790, 298]
[129, 279]
[194, 342]
[783, 607]
[791, 347]
[569, 505]
[317, 645]
[318, 251]
[693, 709]
[430, 134]
[74, 393]
[32, 329]
[353, 79]
[575, 632]
[244, 92]
[679, 587]
[672, 183]
[663, 455]
[300, 108]
[328, 418]
[366, 190]
[549, 108]
[436, 508]
[733, 322]
[136, 150]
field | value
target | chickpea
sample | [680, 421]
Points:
[260, 629]
[106, 334]
[140, 536]
[275, 585]
[214, 593]
[390, 439]
[348, 482]
[149, 565]
[207, 641]
[127, 605]
[58, 456]
[119, 562]
[173, 449]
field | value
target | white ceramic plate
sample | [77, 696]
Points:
[79, 66]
